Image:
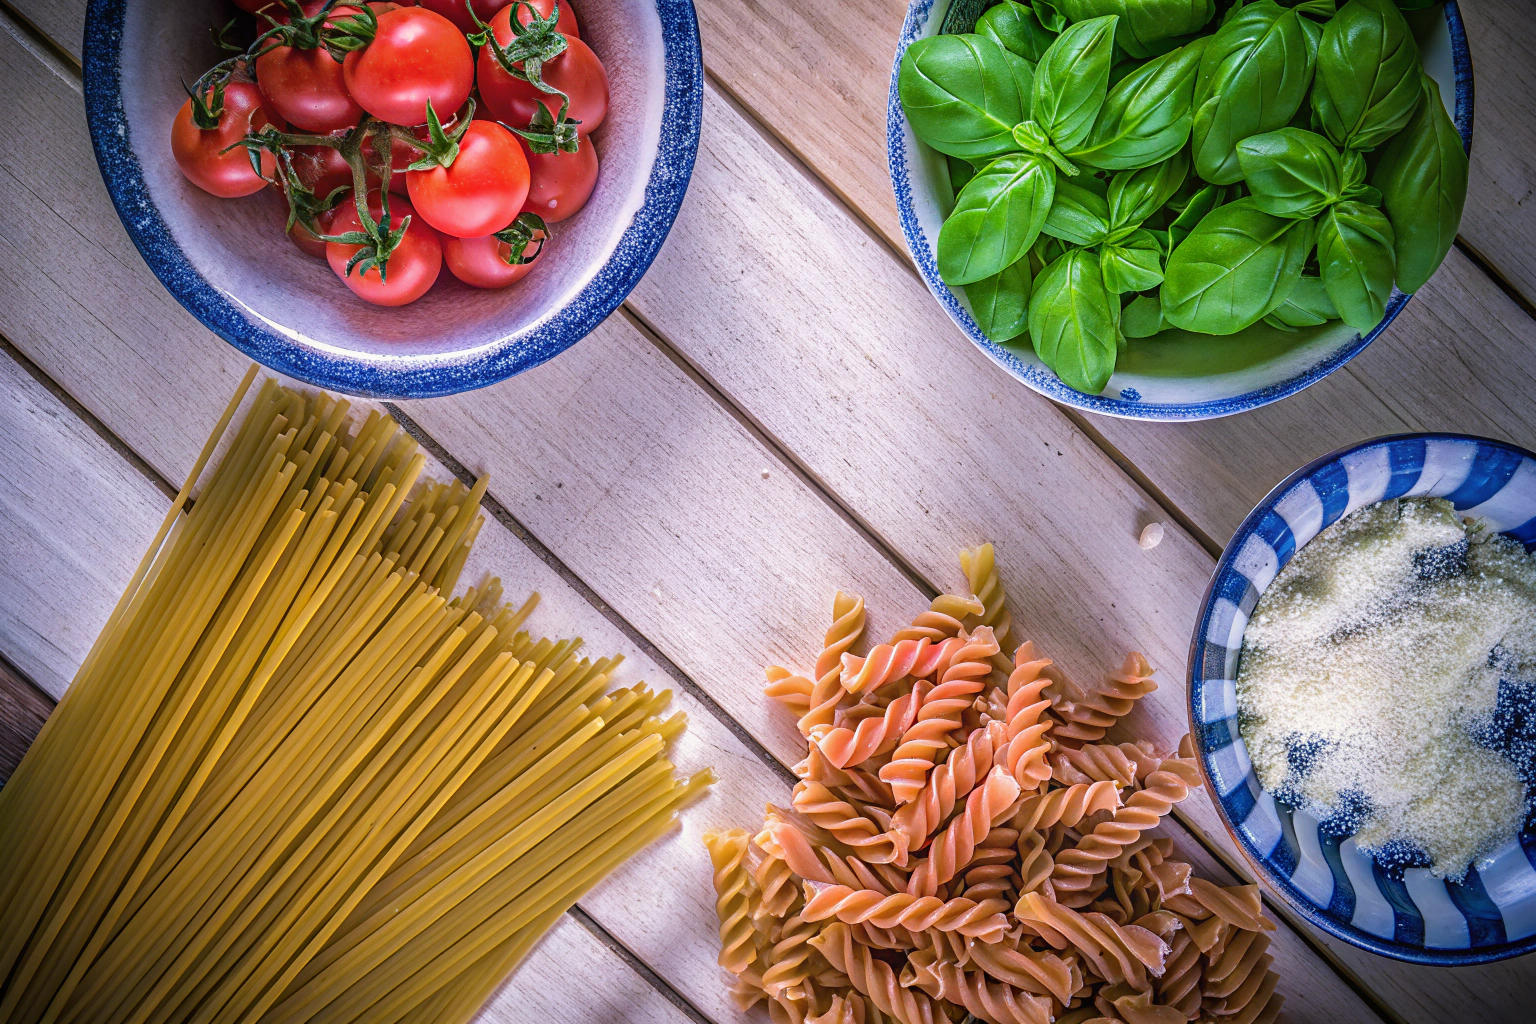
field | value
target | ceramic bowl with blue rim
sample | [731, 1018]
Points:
[1176, 375]
[1406, 914]
[228, 263]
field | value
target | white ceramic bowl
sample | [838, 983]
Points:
[229, 264]
[1177, 375]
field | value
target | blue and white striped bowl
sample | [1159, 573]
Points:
[1177, 376]
[1418, 917]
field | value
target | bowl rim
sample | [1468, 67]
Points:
[1293, 897]
[415, 376]
[1047, 383]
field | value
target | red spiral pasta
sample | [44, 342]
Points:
[939, 715]
[989, 804]
[902, 910]
[964, 843]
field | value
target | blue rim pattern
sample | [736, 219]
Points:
[1419, 918]
[421, 376]
[1129, 405]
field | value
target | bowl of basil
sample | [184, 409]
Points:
[1178, 209]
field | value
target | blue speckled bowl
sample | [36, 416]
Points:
[229, 264]
[1418, 917]
[1170, 377]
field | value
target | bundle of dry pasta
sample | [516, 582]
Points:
[295, 779]
[963, 843]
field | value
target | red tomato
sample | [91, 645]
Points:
[302, 238]
[482, 191]
[577, 72]
[417, 55]
[454, 11]
[402, 155]
[201, 153]
[413, 266]
[307, 88]
[559, 184]
[321, 169]
[482, 262]
[279, 13]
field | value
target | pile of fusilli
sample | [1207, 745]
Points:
[963, 842]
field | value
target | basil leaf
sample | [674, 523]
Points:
[964, 94]
[1134, 265]
[1077, 216]
[1200, 204]
[1144, 23]
[1016, 28]
[1000, 303]
[1367, 74]
[1355, 252]
[1142, 318]
[1308, 305]
[1423, 181]
[1074, 322]
[960, 172]
[997, 217]
[1134, 196]
[1050, 16]
[1254, 76]
[1291, 173]
[1237, 265]
[1072, 80]
[1147, 116]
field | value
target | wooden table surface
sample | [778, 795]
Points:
[779, 410]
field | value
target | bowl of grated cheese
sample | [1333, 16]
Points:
[1362, 686]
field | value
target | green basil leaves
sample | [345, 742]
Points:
[1254, 76]
[997, 216]
[1074, 322]
[1146, 117]
[1134, 264]
[1017, 29]
[1235, 267]
[1077, 216]
[1144, 23]
[1422, 176]
[1367, 74]
[1072, 80]
[1133, 196]
[1000, 304]
[1355, 252]
[963, 95]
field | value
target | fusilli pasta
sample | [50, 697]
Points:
[964, 842]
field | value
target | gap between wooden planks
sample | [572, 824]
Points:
[161, 351]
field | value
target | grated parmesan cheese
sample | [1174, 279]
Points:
[1369, 685]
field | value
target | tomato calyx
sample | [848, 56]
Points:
[207, 93]
[304, 206]
[440, 149]
[300, 31]
[524, 57]
[351, 33]
[520, 235]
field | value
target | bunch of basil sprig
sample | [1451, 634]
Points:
[1123, 166]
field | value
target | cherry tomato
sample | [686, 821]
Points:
[321, 169]
[577, 72]
[204, 155]
[482, 262]
[417, 55]
[402, 156]
[308, 87]
[413, 266]
[482, 191]
[559, 184]
[454, 11]
[302, 238]
[278, 12]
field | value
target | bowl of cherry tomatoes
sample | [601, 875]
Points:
[399, 200]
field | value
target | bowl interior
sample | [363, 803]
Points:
[289, 309]
[1176, 374]
[1492, 914]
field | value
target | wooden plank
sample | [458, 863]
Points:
[123, 368]
[1500, 219]
[23, 710]
[667, 884]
